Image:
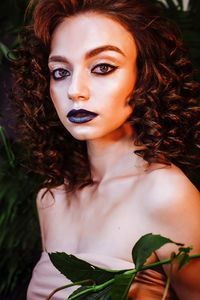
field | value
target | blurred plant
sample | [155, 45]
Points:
[9, 152]
[12, 20]
[20, 239]
[18, 218]
[188, 22]
[104, 284]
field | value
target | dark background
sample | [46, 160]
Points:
[20, 244]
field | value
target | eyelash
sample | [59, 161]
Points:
[67, 73]
[107, 65]
[55, 77]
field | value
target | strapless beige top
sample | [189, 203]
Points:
[148, 284]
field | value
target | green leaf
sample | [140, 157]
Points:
[15, 43]
[9, 152]
[185, 249]
[171, 4]
[194, 5]
[4, 49]
[79, 290]
[183, 260]
[104, 294]
[1, 57]
[146, 245]
[3, 191]
[121, 286]
[76, 269]
[180, 4]
[182, 257]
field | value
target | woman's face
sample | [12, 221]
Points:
[92, 63]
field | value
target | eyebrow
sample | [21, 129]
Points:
[89, 54]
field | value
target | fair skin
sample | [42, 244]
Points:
[127, 199]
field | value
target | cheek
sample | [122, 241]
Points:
[123, 83]
[57, 97]
[53, 94]
[116, 93]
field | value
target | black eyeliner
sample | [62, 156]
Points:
[104, 64]
[59, 78]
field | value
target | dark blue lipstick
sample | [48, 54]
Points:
[80, 116]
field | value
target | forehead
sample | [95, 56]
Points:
[83, 32]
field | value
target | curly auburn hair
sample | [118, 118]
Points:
[165, 116]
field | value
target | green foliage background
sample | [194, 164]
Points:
[19, 238]
[19, 230]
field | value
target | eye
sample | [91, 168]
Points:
[60, 73]
[103, 69]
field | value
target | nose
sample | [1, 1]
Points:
[78, 88]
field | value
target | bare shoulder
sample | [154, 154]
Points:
[169, 187]
[51, 198]
[172, 205]
[172, 209]
[50, 204]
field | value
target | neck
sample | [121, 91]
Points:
[112, 157]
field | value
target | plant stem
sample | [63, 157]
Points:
[95, 288]
[99, 287]
[8, 151]
[168, 282]
[68, 285]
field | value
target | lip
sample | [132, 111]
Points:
[80, 116]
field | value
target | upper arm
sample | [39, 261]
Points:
[50, 206]
[175, 214]
[45, 202]
[39, 202]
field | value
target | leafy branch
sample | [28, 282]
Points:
[9, 152]
[19, 252]
[115, 284]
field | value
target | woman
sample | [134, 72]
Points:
[109, 116]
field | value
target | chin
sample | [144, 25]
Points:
[81, 136]
[85, 135]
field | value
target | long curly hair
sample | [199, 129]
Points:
[165, 117]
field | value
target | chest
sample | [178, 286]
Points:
[97, 221]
